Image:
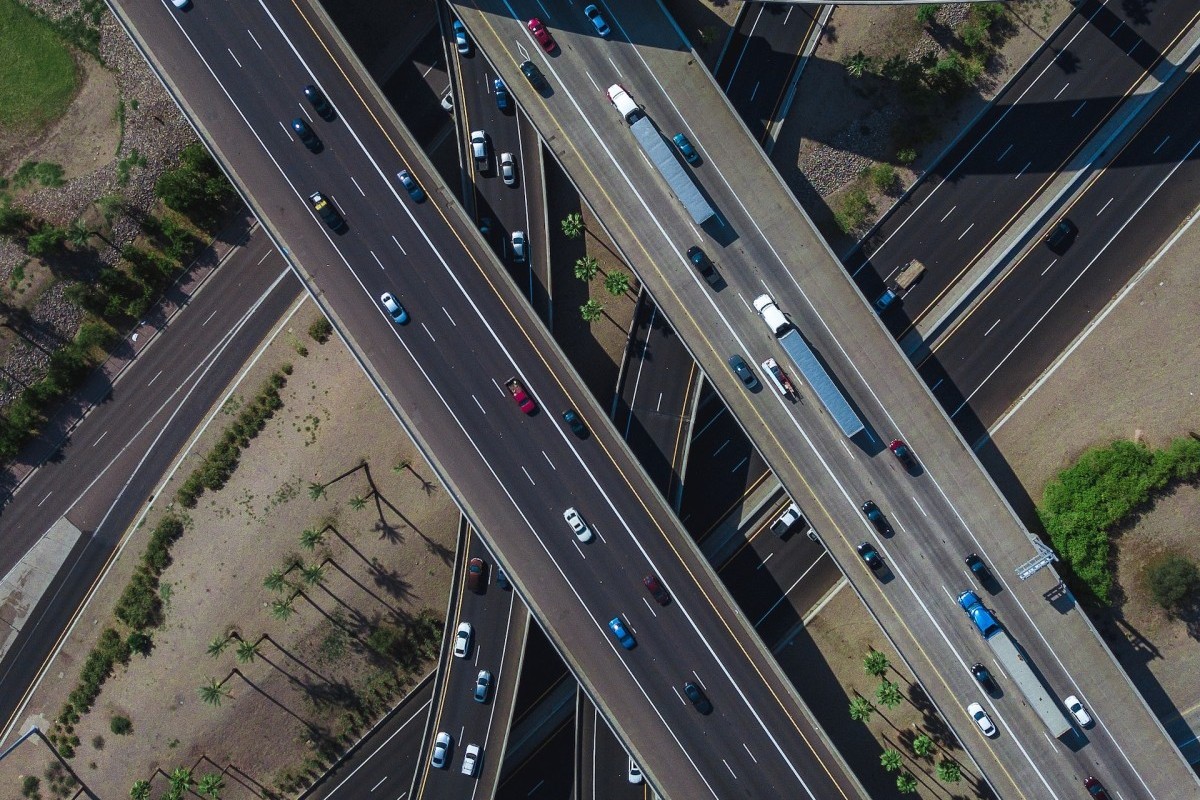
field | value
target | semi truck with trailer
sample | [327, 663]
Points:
[1006, 652]
[810, 366]
[661, 155]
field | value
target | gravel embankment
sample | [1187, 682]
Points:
[157, 130]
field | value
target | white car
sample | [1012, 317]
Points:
[635, 772]
[479, 149]
[462, 639]
[582, 532]
[181, 3]
[471, 760]
[1078, 711]
[393, 308]
[520, 247]
[441, 750]
[981, 719]
[508, 169]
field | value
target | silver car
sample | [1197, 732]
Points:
[441, 751]
[508, 169]
[520, 247]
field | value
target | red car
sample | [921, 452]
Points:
[524, 401]
[541, 34]
[902, 452]
[1095, 788]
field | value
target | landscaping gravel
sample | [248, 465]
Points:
[157, 131]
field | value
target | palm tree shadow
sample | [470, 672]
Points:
[390, 533]
[268, 696]
[392, 582]
[360, 585]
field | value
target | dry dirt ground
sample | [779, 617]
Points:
[1148, 393]
[828, 652]
[838, 125]
[388, 560]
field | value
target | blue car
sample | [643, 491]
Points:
[411, 186]
[502, 99]
[393, 308]
[593, 14]
[621, 633]
[305, 134]
[460, 38]
[686, 148]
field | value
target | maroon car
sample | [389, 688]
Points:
[541, 34]
[656, 590]
[902, 452]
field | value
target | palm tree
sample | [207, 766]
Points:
[858, 64]
[616, 283]
[211, 785]
[140, 790]
[922, 745]
[282, 610]
[181, 779]
[949, 771]
[311, 537]
[876, 664]
[591, 311]
[212, 693]
[316, 491]
[218, 645]
[861, 709]
[78, 233]
[572, 225]
[586, 268]
[275, 581]
[403, 465]
[246, 651]
[889, 694]
[891, 759]
[906, 783]
[358, 503]
[313, 574]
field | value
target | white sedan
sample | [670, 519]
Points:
[462, 639]
[1078, 711]
[582, 532]
[981, 719]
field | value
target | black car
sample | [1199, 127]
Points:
[305, 134]
[574, 423]
[328, 212]
[319, 103]
[536, 79]
[978, 568]
[870, 555]
[877, 518]
[698, 698]
[742, 370]
[1061, 236]
[984, 677]
[703, 265]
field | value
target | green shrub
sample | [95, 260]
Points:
[854, 210]
[883, 177]
[140, 642]
[1103, 487]
[196, 188]
[926, 12]
[120, 725]
[139, 606]
[1172, 579]
[320, 330]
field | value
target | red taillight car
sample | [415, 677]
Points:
[656, 590]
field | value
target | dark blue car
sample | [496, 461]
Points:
[503, 102]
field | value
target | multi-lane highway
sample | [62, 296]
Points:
[946, 509]
[1045, 299]
[1000, 166]
[244, 65]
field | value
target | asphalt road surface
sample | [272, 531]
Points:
[1007, 158]
[244, 65]
[1045, 300]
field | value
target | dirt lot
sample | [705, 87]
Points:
[386, 561]
[1153, 399]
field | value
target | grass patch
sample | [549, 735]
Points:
[38, 77]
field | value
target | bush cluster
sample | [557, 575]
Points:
[69, 366]
[1107, 484]
[196, 188]
[222, 459]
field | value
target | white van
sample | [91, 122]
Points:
[771, 314]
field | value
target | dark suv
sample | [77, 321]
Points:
[984, 677]
[1061, 236]
[535, 76]
[703, 265]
